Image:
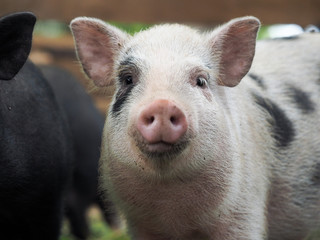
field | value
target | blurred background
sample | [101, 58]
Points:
[53, 43]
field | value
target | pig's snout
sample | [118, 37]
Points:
[162, 122]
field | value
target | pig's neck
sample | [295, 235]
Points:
[154, 204]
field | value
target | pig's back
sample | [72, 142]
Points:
[286, 78]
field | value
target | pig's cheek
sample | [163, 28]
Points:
[132, 148]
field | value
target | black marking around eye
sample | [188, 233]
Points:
[282, 128]
[129, 61]
[127, 68]
[301, 99]
[121, 97]
[258, 79]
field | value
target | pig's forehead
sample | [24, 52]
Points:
[167, 44]
[167, 31]
[170, 39]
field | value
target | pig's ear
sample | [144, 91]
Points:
[233, 47]
[97, 45]
[15, 42]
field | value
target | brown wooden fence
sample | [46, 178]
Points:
[207, 12]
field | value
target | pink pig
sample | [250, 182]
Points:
[188, 151]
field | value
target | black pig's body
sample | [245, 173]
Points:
[34, 157]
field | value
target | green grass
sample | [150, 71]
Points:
[314, 236]
[98, 229]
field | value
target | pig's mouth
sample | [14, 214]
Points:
[159, 147]
[161, 150]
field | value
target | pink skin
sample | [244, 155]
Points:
[161, 124]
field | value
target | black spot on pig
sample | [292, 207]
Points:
[282, 128]
[301, 99]
[258, 79]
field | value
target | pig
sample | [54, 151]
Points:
[210, 135]
[86, 124]
[35, 156]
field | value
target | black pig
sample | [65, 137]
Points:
[35, 156]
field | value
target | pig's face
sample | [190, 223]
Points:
[167, 114]
[162, 92]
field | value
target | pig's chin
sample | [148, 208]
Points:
[161, 150]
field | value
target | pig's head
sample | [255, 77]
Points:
[167, 116]
[15, 42]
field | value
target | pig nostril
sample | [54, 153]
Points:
[150, 120]
[173, 120]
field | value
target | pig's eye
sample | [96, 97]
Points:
[128, 80]
[201, 82]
